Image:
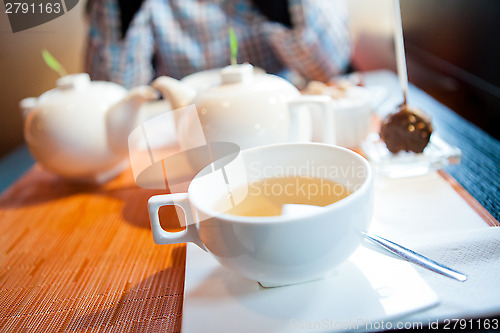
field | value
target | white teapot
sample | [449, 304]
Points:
[80, 129]
[246, 108]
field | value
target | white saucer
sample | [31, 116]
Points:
[370, 287]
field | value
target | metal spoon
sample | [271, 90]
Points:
[415, 258]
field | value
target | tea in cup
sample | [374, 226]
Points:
[271, 196]
[236, 212]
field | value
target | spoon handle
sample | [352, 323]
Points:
[415, 257]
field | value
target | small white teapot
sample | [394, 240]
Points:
[246, 108]
[80, 129]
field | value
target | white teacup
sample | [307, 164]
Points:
[275, 250]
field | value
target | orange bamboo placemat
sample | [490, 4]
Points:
[83, 259]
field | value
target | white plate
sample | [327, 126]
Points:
[370, 287]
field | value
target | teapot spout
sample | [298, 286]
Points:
[123, 117]
[177, 93]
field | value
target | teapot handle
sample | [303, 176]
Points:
[328, 130]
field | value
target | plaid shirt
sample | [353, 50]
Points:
[180, 37]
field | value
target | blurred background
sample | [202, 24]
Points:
[452, 50]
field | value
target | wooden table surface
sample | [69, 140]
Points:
[79, 259]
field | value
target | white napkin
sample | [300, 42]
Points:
[475, 253]
[427, 215]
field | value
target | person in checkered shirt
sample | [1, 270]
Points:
[131, 42]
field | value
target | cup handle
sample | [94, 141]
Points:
[161, 236]
[328, 130]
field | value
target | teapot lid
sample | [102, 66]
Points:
[237, 74]
[79, 85]
[242, 82]
[74, 81]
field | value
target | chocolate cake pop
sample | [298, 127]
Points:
[406, 129]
